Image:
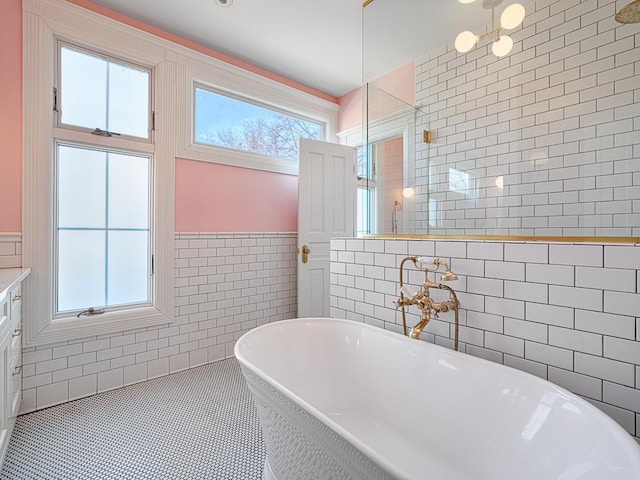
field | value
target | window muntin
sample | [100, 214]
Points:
[102, 229]
[238, 124]
[97, 92]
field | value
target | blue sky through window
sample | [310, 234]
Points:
[232, 123]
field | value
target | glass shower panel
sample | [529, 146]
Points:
[390, 140]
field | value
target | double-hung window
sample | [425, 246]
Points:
[102, 195]
[99, 157]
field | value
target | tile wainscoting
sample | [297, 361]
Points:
[565, 312]
[225, 284]
[10, 250]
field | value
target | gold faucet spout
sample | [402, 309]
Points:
[417, 330]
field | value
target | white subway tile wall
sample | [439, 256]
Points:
[225, 284]
[10, 250]
[557, 324]
[543, 141]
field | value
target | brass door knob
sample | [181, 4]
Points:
[305, 253]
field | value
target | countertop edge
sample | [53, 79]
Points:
[10, 277]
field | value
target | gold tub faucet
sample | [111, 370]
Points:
[422, 298]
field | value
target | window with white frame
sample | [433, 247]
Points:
[98, 228]
[102, 194]
[99, 196]
[232, 122]
[102, 237]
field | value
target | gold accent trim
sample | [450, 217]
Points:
[426, 136]
[366, 2]
[507, 238]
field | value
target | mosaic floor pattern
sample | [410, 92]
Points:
[196, 424]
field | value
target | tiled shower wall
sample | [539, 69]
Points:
[544, 141]
[225, 284]
[10, 250]
[565, 312]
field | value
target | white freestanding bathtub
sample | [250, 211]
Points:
[343, 400]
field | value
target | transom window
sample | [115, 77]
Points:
[238, 124]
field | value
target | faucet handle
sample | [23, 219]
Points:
[406, 292]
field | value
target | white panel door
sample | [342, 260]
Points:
[326, 209]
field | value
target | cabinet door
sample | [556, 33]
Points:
[14, 367]
[5, 345]
[14, 374]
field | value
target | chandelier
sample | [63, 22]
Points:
[511, 18]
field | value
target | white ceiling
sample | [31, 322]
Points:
[314, 42]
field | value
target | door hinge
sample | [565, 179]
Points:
[55, 99]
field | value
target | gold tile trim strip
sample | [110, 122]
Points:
[366, 2]
[503, 238]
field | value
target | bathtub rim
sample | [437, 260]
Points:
[392, 468]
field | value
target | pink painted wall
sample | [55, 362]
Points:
[11, 115]
[400, 83]
[350, 113]
[220, 198]
[209, 197]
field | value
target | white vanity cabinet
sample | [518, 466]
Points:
[14, 394]
[10, 351]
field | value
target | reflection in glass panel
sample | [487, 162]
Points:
[128, 191]
[81, 187]
[81, 269]
[390, 141]
[232, 123]
[365, 211]
[128, 100]
[96, 92]
[458, 181]
[128, 266]
[83, 89]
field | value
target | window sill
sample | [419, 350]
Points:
[213, 154]
[74, 328]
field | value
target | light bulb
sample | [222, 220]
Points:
[502, 46]
[465, 41]
[500, 182]
[465, 2]
[512, 16]
[408, 192]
